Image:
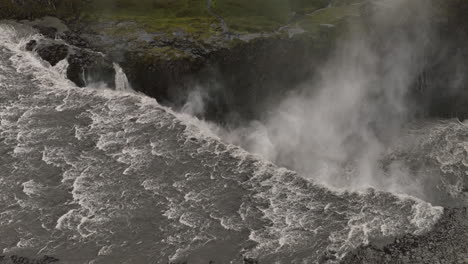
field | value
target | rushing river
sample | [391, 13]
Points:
[92, 175]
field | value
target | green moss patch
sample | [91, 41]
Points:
[193, 16]
[262, 15]
[328, 16]
[190, 16]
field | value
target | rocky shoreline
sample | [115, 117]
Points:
[244, 71]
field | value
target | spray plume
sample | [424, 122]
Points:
[336, 128]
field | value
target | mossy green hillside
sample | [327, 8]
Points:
[330, 16]
[178, 21]
[151, 27]
[263, 15]
[190, 16]
[202, 16]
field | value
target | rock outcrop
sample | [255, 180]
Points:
[53, 53]
[242, 66]
[85, 64]
[243, 56]
[442, 87]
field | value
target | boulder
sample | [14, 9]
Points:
[53, 53]
[87, 67]
[49, 32]
[31, 45]
[74, 39]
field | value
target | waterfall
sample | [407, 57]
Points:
[121, 80]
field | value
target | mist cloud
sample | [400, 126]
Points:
[336, 128]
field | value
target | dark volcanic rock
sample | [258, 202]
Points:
[447, 243]
[53, 53]
[256, 74]
[86, 66]
[443, 84]
[31, 45]
[74, 39]
[240, 79]
[164, 80]
[49, 32]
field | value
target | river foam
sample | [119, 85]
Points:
[130, 181]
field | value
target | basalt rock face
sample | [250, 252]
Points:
[85, 65]
[49, 32]
[49, 51]
[445, 244]
[442, 87]
[53, 53]
[260, 73]
[240, 79]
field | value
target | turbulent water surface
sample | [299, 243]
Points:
[93, 175]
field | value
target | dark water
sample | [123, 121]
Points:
[100, 176]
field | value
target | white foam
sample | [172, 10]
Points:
[53, 156]
[31, 188]
[425, 216]
[107, 250]
[291, 205]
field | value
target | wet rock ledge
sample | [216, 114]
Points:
[85, 64]
[446, 243]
